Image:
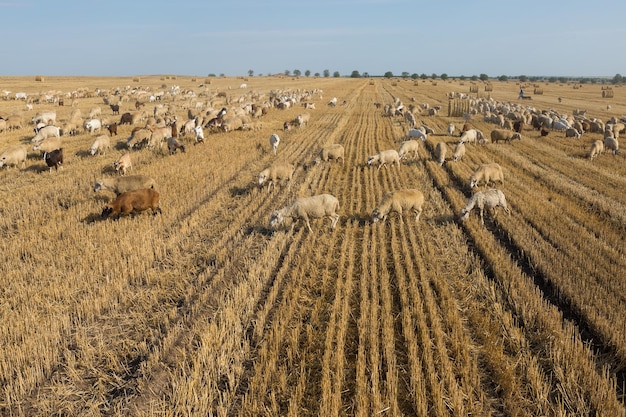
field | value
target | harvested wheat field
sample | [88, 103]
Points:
[206, 310]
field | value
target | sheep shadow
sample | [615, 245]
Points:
[83, 154]
[92, 218]
[259, 230]
[120, 146]
[242, 191]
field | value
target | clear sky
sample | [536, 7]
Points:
[231, 37]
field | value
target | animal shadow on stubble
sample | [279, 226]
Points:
[237, 191]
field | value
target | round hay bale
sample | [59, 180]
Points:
[39, 78]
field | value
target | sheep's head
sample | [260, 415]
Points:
[262, 178]
[97, 186]
[372, 159]
[106, 211]
[377, 215]
[517, 136]
[464, 214]
[276, 218]
[473, 182]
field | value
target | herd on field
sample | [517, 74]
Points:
[162, 126]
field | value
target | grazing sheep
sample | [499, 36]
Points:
[410, 119]
[112, 128]
[451, 129]
[230, 124]
[597, 147]
[505, 135]
[318, 206]
[101, 144]
[274, 141]
[46, 132]
[383, 158]
[47, 145]
[544, 132]
[409, 147]
[132, 202]
[199, 134]
[138, 138]
[487, 173]
[472, 136]
[115, 108]
[54, 159]
[13, 155]
[399, 201]
[418, 133]
[488, 199]
[459, 151]
[572, 133]
[611, 144]
[518, 126]
[14, 121]
[173, 145]
[48, 118]
[274, 173]
[303, 119]
[126, 119]
[93, 125]
[95, 112]
[440, 153]
[123, 164]
[158, 136]
[334, 151]
[120, 185]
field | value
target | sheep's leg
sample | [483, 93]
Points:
[417, 217]
[482, 219]
[308, 225]
[334, 220]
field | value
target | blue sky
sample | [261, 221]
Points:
[189, 37]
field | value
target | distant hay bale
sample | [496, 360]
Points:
[458, 107]
[136, 79]
[39, 78]
[193, 79]
[538, 91]
[607, 93]
[473, 88]
[207, 81]
[488, 87]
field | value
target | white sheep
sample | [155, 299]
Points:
[572, 133]
[597, 147]
[13, 155]
[101, 144]
[199, 134]
[274, 173]
[318, 206]
[399, 201]
[409, 147]
[459, 151]
[440, 152]
[47, 145]
[48, 117]
[472, 136]
[611, 144]
[120, 185]
[93, 125]
[417, 133]
[123, 164]
[383, 158]
[505, 135]
[46, 132]
[488, 199]
[334, 151]
[451, 129]
[303, 119]
[274, 142]
[487, 173]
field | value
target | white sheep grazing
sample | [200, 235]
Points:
[488, 199]
[440, 153]
[274, 142]
[459, 151]
[597, 147]
[383, 158]
[410, 119]
[93, 125]
[487, 173]
[399, 201]
[274, 173]
[46, 132]
[611, 144]
[572, 133]
[120, 185]
[100, 145]
[47, 145]
[303, 119]
[123, 164]
[13, 155]
[505, 135]
[334, 151]
[451, 129]
[472, 136]
[409, 147]
[199, 134]
[418, 133]
[318, 206]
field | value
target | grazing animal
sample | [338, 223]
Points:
[597, 147]
[115, 108]
[93, 125]
[459, 151]
[418, 133]
[54, 159]
[399, 201]
[274, 173]
[46, 132]
[101, 144]
[132, 202]
[488, 199]
[451, 129]
[487, 173]
[47, 145]
[173, 145]
[472, 136]
[505, 135]
[47, 118]
[303, 119]
[126, 119]
[123, 164]
[199, 134]
[409, 147]
[572, 133]
[544, 131]
[13, 155]
[611, 144]
[334, 151]
[274, 141]
[138, 138]
[304, 208]
[518, 126]
[112, 128]
[383, 158]
[440, 153]
[119, 185]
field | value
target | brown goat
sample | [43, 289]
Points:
[133, 202]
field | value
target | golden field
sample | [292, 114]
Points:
[204, 310]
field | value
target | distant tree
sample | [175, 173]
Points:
[211, 75]
[618, 79]
[250, 73]
[336, 74]
[444, 76]
[222, 74]
[297, 72]
[366, 74]
[415, 76]
[317, 74]
[326, 73]
[405, 74]
[287, 72]
[423, 76]
[433, 76]
[388, 74]
[307, 73]
[484, 77]
[552, 79]
[563, 80]
[503, 78]
[523, 78]
[462, 77]
[583, 80]
[474, 78]
[355, 74]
